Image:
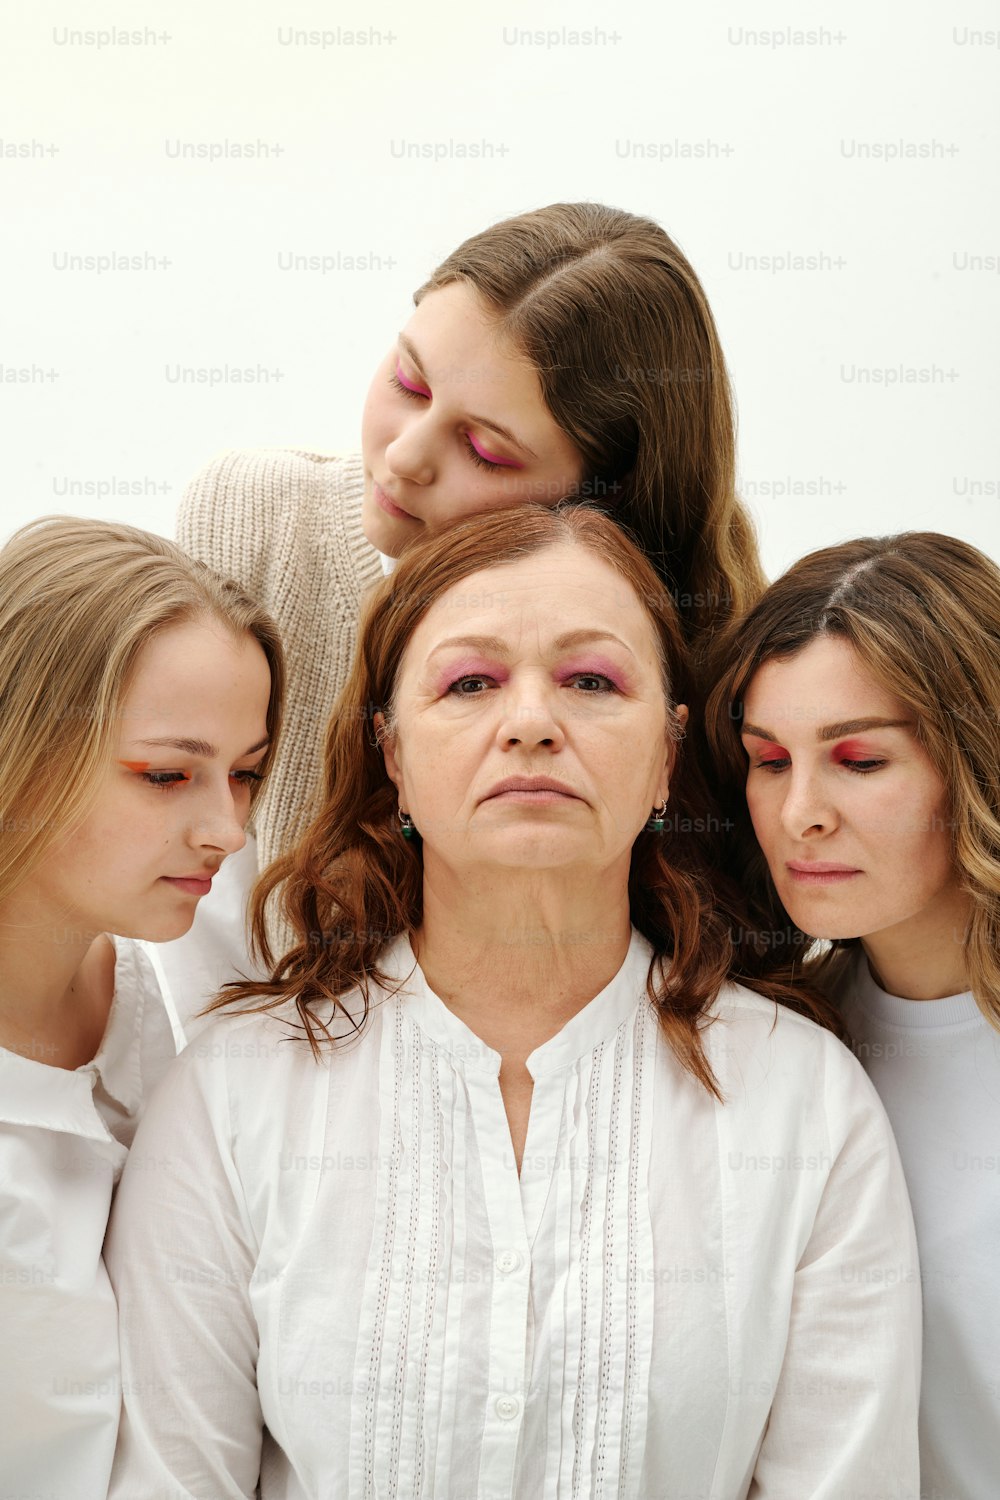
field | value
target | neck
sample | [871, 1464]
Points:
[925, 958]
[532, 946]
[56, 984]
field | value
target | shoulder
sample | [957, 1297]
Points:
[275, 476]
[242, 1051]
[250, 508]
[761, 1052]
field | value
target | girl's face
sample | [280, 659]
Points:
[455, 424]
[851, 815]
[173, 802]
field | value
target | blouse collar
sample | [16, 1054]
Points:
[35, 1093]
[597, 1022]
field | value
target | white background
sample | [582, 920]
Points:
[866, 138]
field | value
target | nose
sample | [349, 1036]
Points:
[410, 455]
[218, 821]
[806, 811]
[530, 717]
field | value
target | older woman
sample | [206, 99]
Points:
[499, 1188]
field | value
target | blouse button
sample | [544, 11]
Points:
[507, 1261]
[507, 1407]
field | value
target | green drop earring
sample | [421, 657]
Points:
[655, 821]
[408, 826]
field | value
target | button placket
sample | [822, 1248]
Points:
[509, 1293]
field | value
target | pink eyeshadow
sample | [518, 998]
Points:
[508, 463]
[421, 390]
[593, 666]
[472, 667]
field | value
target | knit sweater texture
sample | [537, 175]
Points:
[287, 526]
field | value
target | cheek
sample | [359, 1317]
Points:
[375, 416]
[762, 808]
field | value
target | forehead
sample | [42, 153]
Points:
[535, 599]
[460, 344]
[199, 664]
[824, 683]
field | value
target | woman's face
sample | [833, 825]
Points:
[851, 815]
[173, 802]
[455, 424]
[531, 719]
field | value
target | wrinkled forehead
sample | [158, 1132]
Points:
[531, 602]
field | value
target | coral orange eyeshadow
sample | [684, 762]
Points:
[135, 765]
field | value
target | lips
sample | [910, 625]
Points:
[193, 885]
[529, 785]
[820, 867]
[815, 872]
[388, 504]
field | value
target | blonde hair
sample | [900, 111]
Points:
[922, 612]
[79, 600]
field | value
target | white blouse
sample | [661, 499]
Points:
[330, 1275]
[64, 1137]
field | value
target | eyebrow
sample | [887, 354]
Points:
[498, 647]
[834, 731]
[201, 747]
[503, 432]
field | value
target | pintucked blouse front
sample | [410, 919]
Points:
[332, 1276]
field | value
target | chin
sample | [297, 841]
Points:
[163, 931]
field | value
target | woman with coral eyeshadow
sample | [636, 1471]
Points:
[859, 708]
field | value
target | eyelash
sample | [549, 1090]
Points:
[609, 687]
[477, 458]
[166, 781]
[857, 767]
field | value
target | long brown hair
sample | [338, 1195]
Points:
[79, 599]
[922, 612]
[352, 883]
[616, 322]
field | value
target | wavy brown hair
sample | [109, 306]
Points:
[922, 612]
[352, 883]
[615, 321]
[79, 600]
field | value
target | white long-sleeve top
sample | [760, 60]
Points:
[64, 1136]
[936, 1065]
[330, 1274]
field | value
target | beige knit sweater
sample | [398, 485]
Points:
[287, 525]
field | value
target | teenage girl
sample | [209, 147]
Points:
[139, 707]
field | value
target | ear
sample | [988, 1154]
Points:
[387, 748]
[670, 759]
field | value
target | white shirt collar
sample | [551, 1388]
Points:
[597, 1022]
[34, 1093]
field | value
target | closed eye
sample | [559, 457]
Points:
[406, 387]
[399, 383]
